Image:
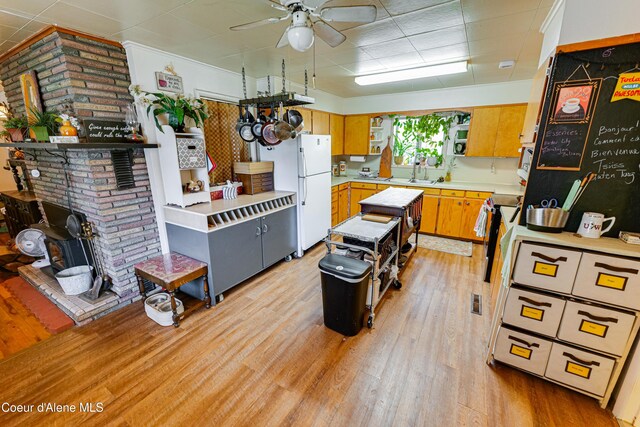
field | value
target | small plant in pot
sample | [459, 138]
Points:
[43, 124]
[16, 128]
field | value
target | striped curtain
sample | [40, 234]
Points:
[223, 142]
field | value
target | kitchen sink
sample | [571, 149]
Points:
[424, 181]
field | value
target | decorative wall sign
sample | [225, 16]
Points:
[99, 130]
[628, 87]
[168, 82]
[566, 133]
[573, 101]
[30, 93]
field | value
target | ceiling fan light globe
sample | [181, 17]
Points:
[300, 38]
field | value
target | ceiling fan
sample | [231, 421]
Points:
[308, 19]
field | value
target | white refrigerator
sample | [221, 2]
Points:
[303, 165]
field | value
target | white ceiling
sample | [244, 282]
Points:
[406, 33]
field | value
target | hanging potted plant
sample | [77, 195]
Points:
[16, 128]
[176, 107]
[42, 124]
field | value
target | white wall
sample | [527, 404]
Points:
[456, 97]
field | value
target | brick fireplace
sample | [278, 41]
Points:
[88, 76]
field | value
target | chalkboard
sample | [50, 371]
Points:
[99, 130]
[599, 133]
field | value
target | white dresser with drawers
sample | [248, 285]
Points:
[568, 309]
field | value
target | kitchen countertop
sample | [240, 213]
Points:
[458, 185]
[507, 213]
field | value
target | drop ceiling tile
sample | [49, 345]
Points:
[26, 8]
[6, 32]
[27, 31]
[439, 55]
[376, 32]
[406, 60]
[212, 48]
[541, 15]
[129, 12]
[524, 70]
[364, 67]
[181, 31]
[504, 26]
[399, 7]
[478, 10]
[347, 56]
[444, 37]
[68, 16]
[381, 12]
[489, 73]
[142, 36]
[14, 20]
[461, 79]
[394, 47]
[430, 19]
[532, 46]
[509, 47]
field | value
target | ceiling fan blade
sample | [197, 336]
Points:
[313, 4]
[259, 23]
[275, 5]
[363, 14]
[330, 35]
[284, 40]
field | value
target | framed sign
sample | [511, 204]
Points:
[99, 130]
[573, 101]
[169, 82]
[30, 93]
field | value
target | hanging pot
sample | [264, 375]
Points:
[284, 131]
[245, 129]
[256, 128]
[269, 134]
[294, 118]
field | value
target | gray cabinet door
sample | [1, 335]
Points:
[279, 235]
[236, 254]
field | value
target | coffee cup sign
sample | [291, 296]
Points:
[591, 225]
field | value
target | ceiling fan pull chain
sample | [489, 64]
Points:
[244, 84]
[284, 80]
[306, 84]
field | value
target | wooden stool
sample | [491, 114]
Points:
[170, 271]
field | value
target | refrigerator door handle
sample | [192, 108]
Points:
[304, 177]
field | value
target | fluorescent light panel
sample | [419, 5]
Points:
[413, 73]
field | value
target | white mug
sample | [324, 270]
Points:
[591, 224]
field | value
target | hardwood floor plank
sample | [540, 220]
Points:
[263, 357]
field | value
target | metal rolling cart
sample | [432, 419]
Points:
[403, 203]
[382, 242]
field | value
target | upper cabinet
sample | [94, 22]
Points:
[306, 117]
[495, 131]
[336, 128]
[356, 134]
[320, 123]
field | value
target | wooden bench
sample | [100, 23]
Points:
[170, 271]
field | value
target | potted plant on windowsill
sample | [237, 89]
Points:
[16, 128]
[177, 108]
[42, 125]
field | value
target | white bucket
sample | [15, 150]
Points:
[158, 308]
[75, 280]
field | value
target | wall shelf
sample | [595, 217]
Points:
[78, 146]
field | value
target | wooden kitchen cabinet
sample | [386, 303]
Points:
[449, 219]
[343, 203]
[470, 211]
[335, 206]
[320, 123]
[509, 131]
[356, 134]
[306, 118]
[336, 130]
[495, 131]
[359, 191]
[482, 131]
[429, 214]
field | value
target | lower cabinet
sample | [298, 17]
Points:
[450, 216]
[470, 210]
[343, 204]
[236, 252]
[429, 214]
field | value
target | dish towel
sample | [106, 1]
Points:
[481, 222]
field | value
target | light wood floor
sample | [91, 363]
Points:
[263, 357]
[19, 328]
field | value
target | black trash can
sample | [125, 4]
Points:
[344, 292]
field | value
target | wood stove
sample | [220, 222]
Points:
[64, 250]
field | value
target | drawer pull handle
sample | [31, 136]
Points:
[616, 269]
[580, 361]
[521, 341]
[536, 303]
[548, 258]
[598, 318]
